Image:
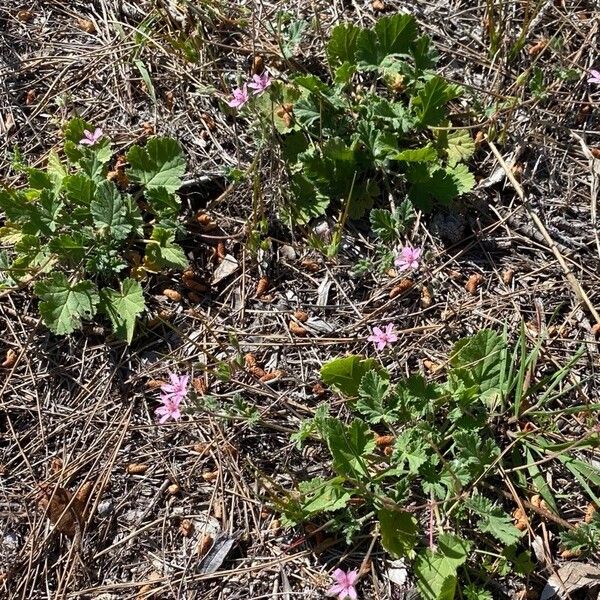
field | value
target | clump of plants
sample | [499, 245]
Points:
[437, 469]
[85, 235]
[378, 126]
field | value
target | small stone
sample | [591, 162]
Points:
[105, 508]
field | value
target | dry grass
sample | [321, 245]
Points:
[79, 410]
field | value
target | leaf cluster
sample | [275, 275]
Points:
[446, 450]
[380, 122]
[79, 234]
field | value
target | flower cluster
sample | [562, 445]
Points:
[171, 396]
[409, 258]
[239, 96]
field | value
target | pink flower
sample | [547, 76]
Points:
[408, 258]
[344, 588]
[260, 83]
[90, 138]
[382, 337]
[240, 97]
[595, 76]
[169, 409]
[177, 388]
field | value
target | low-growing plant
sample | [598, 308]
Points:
[378, 125]
[87, 235]
[436, 467]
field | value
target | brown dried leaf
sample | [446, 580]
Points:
[310, 265]
[569, 578]
[61, 508]
[301, 316]
[595, 152]
[258, 65]
[272, 376]
[154, 384]
[426, 297]
[210, 475]
[286, 113]
[538, 47]
[507, 276]
[30, 97]
[204, 545]
[384, 440]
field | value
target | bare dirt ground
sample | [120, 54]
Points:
[79, 410]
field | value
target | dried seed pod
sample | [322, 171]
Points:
[155, 384]
[507, 276]
[148, 128]
[86, 25]
[473, 283]
[220, 251]
[204, 545]
[24, 16]
[136, 468]
[590, 511]
[431, 366]
[250, 360]
[311, 265]
[272, 376]
[30, 97]
[172, 294]
[205, 222]
[193, 284]
[199, 385]
[257, 372]
[56, 465]
[319, 389]
[479, 138]
[517, 171]
[173, 489]
[301, 316]
[378, 5]
[258, 65]
[402, 287]
[298, 329]
[169, 100]
[262, 286]
[10, 360]
[83, 493]
[595, 152]
[210, 475]
[186, 528]
[286, 113]
[384, 440]
[570, 554]
[596, 330]
[426, 297]
[521, 520]
[538, 47]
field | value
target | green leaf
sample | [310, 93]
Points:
[123, 307]
[399, 532]
[159, 164]
[63, 304]
[412, 449]
[425, 154]
[80, 188]
[433, 182]
[349, 446]
[372, 394]
[73, 130]
[384, 225]
[163, 203]
[479, 361]
[38, 179]
[93, 166]
[344, 375]
[56, 170]
[437, 571]
[109, 211]
[343, 44]
[44, 215]
[69, 247]
[141, 67]
[162, 251]
[472, 592]
[460, 146]
[391, 36]
[493, 520]
[323, 496]
[430, 102]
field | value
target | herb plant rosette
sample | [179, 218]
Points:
[86, 240]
